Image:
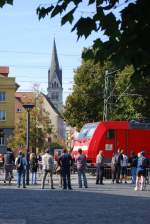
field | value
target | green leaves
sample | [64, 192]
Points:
[3, 2]
[42, 12]
[68, 17]
[84, 27]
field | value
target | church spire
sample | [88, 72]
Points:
[54, 68]
[55, 89]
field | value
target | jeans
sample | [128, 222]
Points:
[21, 174]
[133, 175]
[33, 177]
[81, 174]
[45, 173]
[99, 174]
[66, 178]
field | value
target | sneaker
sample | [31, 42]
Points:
[141, 188]
[135, 188]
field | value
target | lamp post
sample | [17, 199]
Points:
[28, 107]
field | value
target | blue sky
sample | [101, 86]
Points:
[26, 45]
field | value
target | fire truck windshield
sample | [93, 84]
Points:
[87, 131]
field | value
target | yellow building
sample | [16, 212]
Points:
[8, 88]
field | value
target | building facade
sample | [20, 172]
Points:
[55, 90]
[8, 88]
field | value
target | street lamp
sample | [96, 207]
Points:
[28, 107]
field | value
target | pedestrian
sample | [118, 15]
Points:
[65, 161]
[113, 168]
[118, 158]
[99, 167]
[141, 171]
[33, 168]
[21, 165]
[124, 165]
[9, 161]
[133, 165]
[81, 168]
[48, 168]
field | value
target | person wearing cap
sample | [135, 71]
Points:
[65, 162]
[81, 168]
[48, 168]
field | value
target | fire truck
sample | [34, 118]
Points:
[112, 135]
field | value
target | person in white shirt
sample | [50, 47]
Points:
[124, 165]
[48, 168]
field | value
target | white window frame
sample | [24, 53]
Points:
[2, 96]
[2, 115]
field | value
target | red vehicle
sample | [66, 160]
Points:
[111, 135]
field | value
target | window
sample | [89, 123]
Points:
[110, 134]
[2, 142]
[2, 96]
[1, 137]
[2, 115]
[18, 110]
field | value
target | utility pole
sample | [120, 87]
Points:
[107, 96]
[108, 93]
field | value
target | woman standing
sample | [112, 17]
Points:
[33, 168]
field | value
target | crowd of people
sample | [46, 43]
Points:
[119, 167]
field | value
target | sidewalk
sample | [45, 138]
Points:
[98, 204]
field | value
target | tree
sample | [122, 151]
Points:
[3, 2]
[128, 98]
[127, 36]
[41, 129]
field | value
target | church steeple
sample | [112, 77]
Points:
[55, 80]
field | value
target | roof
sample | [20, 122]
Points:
[4, 70]
[52, 105]
[25, 97]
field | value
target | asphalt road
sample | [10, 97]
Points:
[110, 203]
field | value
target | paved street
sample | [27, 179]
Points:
[97, 204]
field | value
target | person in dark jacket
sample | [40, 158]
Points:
[65, 161]
[33, 168]
[133, 165]
[9, 161]
[118, 159]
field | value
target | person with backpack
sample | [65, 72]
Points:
[81, 168]
[48, 168]
[141, 171]
[9, 160]
[21, 165]
[33, 168]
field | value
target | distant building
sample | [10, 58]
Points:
[8, 88]
[55, 90]
[47, 106]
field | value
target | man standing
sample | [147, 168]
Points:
[65, 161]
[118, 159]
[9, 160]
[99, 167]
[48, 168]
[81, 167]
[21, 165]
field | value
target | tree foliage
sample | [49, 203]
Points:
[127, 99]
[41, 128]
[127, 36]
[3, 2]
